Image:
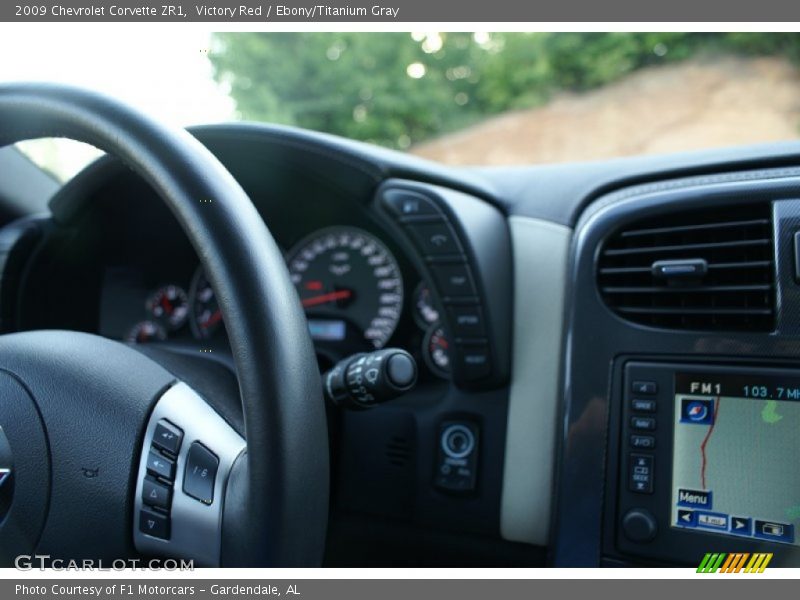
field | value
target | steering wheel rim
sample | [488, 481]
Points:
[284, 488]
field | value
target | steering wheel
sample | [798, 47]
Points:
[104, 454]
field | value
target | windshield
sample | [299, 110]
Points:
[459, 98]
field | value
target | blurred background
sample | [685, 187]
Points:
[459, 98]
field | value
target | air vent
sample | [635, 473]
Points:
[700, 270]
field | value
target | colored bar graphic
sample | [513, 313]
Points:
[701, 568]
[758, 563]
[714, 562]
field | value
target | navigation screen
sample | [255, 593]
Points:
[736, 451]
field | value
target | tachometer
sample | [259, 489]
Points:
[348, 281]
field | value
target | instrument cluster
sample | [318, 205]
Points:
[349, 283]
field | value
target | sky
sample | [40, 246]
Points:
[164, 72]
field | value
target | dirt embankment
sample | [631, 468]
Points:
[692, 105]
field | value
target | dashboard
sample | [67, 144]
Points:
[603, 335]
[349, 282]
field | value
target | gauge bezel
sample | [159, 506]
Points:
[166, 322]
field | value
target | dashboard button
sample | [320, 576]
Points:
[467, 321]
[475, 360]
[643, 405]
[458, 441]
[434, 239]
[155, 493]
[167, 437]
[403, 203]
[453, 280]
[643, 442]
[457, 461]
[644, 387]
[639, 525]
[154, 523]
[641, 473]
[200, 473]
[160, 466]
[643, 423]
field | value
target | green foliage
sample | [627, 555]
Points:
[396, 89]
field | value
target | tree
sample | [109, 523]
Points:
[396, 89]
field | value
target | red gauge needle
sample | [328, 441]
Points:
[325, 298]
[213, 319]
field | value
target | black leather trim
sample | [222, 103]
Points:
[287, 499]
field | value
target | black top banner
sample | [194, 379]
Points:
[383, 11]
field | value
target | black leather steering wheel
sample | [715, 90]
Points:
[80, 413]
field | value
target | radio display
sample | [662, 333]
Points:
[735, 458]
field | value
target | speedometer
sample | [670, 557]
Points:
[349, 284]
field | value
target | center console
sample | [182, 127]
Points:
[705, 460]
[681, 422]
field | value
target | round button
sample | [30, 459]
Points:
[458, 441]
[639, 525]
[401, 370]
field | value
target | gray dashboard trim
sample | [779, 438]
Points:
[541, 255]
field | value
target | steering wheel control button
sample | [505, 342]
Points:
[407, 205]
[155, 493]
[160, 466]
[167, 437]
[200, 473]
[467, 321]
[453, 280]
[639, 525]
[644, 387]
[641, 473]
[154, 523]
[435, 239]
[456, 466]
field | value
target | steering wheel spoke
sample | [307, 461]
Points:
[187, 456]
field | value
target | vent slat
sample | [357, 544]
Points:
[735, 292]
[688, 310]
[686, 247]
[722, 289]
[754, 264]
[694, 228]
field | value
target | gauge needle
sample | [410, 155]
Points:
[325, 298]
[212, 319]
